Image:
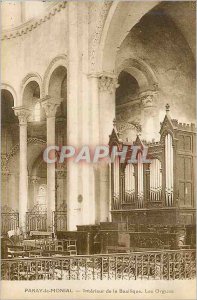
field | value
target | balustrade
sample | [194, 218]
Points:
[155, 265]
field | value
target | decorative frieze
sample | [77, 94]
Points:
[34, 23]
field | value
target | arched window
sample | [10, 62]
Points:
[37, 112]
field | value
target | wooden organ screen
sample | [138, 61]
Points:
[168, 179]
[185, 167]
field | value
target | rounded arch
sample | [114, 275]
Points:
[9, 88]
[39, 167]
[7, 113]
[127, 14]
[59, 61]
[141, 71]
[37, 145]
[31, 77]
[57, 81]
[31, 91]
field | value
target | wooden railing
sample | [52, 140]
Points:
[158, 265]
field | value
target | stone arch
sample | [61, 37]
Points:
[9, 88]
[37, 178]
[30, 89]
[57, 82]
[58, 61]
[38, 164]
[141, 71]
[11, 156]
[126, 13]
[31, 77]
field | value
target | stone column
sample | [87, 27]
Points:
[150, 116]
[107, 87]
[94, 141]
[73, 111]
[50, 106]
[23, 113]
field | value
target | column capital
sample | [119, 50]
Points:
[107, 82]
[149, 98]
[22, 113]
[34, 179]
[50, 105]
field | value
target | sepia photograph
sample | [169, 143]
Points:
[98, 148]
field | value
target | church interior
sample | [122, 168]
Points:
[98, 73]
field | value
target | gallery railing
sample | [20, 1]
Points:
[36, 219]
[9, 220]
[158, 265]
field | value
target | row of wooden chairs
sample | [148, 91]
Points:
[45, 247]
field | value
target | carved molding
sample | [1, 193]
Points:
[97, 33]
[32, 24]
[32, 76]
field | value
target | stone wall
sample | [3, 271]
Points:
[156, 41]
